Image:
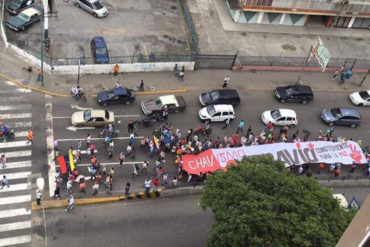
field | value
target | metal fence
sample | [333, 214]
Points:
[194, 43]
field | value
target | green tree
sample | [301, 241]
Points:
[260, 203]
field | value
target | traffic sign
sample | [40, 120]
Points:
[353, 204]
[321, 54]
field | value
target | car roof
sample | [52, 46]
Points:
[120, 90]
[349, 112]
[30, 11]
[227, 92]
[97, 113]
[301, 88]
[99, 42]
[169, 99]
[224, 107]
[287, 113]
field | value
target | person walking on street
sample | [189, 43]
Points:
[175, 70]
[127, 188]
[57, 191]
[4, 182]
[227, 122]
[130, 127]
[335, 74]
[174, 182]
[3, 161]
[115, 70]
[95, 188]
[148, 184]
[88, 141]
[71, 202]
[165, 178]
[141, 86]
[110, 184]
[122, 158]
[342, 77]
[155, 184]
[240, 126]
[144, 169]
[118, 84]
[30, 137]
[38, 197]
[226, 81]
[69, 187]
[39, 75]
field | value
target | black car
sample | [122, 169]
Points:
[16, 6]
[220, 97]
[25, 18]
[116, 95]
[294, 93]
[341, 116]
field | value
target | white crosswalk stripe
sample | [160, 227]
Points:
[15, 212]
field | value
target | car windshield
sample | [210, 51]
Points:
[289, 91]
[23, 16]
[98, 5]
[106, 114]
[211, 110]
[275, 114]
[159, 104]
[17, 2]
[87, 115]
[214, 95]
[336, 112]
[101, 51]
[364, 95]
[110, 94]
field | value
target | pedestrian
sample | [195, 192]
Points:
[342, 77]
[115, 70]
[118, 84]
[226, 81]
[88, 141]
[130, 127]
[69, 187]
[3, 161]
[165, 178]
[122, 157]
[71, 202]
[110, 184]
[175, 70]
[127, 188]
[141, 86]
[227, 122]
[349, 74]
[39, 75]
[57, 191]
[110, 150]
[240, 126]
[4, 182]
[148, 185]
[38, 197]
[174, 182]
[95, 188]
[30, 137]
[82, 185]
[181, 76]
[155, 184]
[335, 74]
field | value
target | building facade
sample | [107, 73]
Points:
[331, 13]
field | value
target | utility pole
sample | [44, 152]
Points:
[363, 79]
[42, 46]
[304, 64]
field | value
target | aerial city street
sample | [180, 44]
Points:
[185, 123]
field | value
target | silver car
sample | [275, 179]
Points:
[94, 7]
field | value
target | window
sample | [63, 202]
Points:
[211, 110]
[364, 95]
[98, 5]
[217, 114]
[87, 115]
[159, 104]
[106, 114]
[214, 95]
[23, 16]
[281, 119]
[225, 114]
[336, 112]
[99, 119]
[289, 119]
[289, 91]
[275, 114]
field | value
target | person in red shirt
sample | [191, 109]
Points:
[155, 184]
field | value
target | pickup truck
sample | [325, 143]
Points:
[174, 104]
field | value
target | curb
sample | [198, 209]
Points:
[289, 69]
[19, 84]
[50, 204]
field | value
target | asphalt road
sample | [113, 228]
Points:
[250, 109]
[160, 222]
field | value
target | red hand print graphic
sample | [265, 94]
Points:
[298, 145]
[355, 154]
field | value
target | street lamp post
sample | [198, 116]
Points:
[42, 46]
[363, 79]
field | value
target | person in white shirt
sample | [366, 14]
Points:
[148, 185]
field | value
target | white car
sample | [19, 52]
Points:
[92, 117]
[280, 117]
[217, 113]
[360, 98]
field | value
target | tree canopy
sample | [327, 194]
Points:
[260, 203]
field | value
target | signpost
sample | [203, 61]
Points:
[322, 55]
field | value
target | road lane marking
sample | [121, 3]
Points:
[16, 187]
[111, 163]
[15, 226]
[18, 175]
[21, 133]
[14, 212]
[16, 98]
[15, 116]
[14, 199]
[15, 107]
[19, 164]
[20, 125]
[98, 139]
[116, 116]
[50, 143]
[17, 154]
[14, 144]
[15, 240]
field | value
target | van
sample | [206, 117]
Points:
[221, 96]
[217, 113]
[94, 7]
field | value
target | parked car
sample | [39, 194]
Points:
[360, 98]
[16, 6]
[116, 95]
[280, 117]
[217, 113]
[94, 7]
[294, 93]
[92, 117]
[99, 50]
[172, 102]
[221, 96]
[341, 116]
[25, 18]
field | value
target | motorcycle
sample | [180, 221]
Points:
[104, 133]
[202, 130]
[81, 92]
[9, 135]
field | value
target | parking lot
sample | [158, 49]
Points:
[132, 28]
